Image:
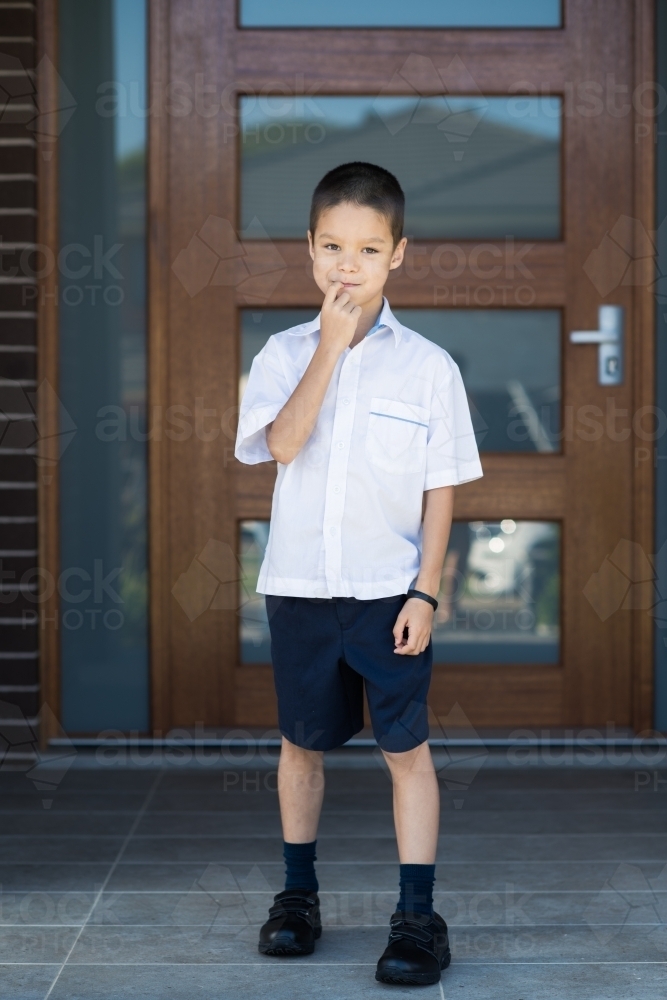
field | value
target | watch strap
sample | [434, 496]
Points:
[424, 597]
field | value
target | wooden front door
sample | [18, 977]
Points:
[525, 218]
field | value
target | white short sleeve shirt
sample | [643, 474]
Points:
[395, 421]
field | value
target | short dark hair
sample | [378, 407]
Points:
[362, 184]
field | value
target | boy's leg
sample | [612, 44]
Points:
[416, 804]
[300, 791]
[416, 818]
[418, 947]
[294, 919]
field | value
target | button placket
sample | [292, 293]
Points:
[337, 471]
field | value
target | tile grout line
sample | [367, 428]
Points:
[121, 851]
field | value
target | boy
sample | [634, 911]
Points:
[370, 427]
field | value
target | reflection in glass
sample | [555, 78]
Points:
[499, 599]
[509, 360]
[470, 166]
[255, 641]
[399, 14]
[102, 158]
[510, 364]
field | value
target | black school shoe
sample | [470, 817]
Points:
[417, 951]
[293, 926]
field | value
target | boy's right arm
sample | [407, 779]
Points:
[287, 434]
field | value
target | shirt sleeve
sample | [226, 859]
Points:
[452, 456]
[266, 393]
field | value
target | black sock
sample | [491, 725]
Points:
[299, 867]
[416, 889]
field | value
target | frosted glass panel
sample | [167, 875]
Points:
[470, 167]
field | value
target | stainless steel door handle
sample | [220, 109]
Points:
[609, 337]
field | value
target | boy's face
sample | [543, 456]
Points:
[353, 244]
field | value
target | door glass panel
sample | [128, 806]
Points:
[255, 641]
[399, 14]
[509, 360]
[499, 599]
[510, 364]
[102, 145]
[470, 167]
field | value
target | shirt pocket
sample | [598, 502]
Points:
[396, 436]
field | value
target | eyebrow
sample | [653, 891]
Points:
[370, 239]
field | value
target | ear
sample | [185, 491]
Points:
[398, 254]
[311, 248]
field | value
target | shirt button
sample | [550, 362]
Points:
[332, 531]
[341, 445]
[336, 489]
[346, 401]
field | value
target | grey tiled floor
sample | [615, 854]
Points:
[151, 882]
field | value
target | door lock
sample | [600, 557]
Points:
[609, 337]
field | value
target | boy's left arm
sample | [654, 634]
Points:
[417, 615]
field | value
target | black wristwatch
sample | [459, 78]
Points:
[424, 597]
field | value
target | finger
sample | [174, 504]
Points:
[399, 625]
[419, 643]
[342, 300]
[411, 645]
[331, 292]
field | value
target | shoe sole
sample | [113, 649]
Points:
[286, 952]
[413, 978]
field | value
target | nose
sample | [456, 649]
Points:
[347, 264]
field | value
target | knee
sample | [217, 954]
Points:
[417, 759]
[299, 756]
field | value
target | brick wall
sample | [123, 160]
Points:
[18, 487]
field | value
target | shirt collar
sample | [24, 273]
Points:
[386, 318]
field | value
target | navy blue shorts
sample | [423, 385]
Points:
[324, 650]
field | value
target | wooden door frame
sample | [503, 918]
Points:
[644, 336]
[164, 15]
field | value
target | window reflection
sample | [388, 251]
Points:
[470, 166]
[499, 599]
[509, 360]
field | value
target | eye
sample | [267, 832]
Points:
[370, 250]
[331, 246]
